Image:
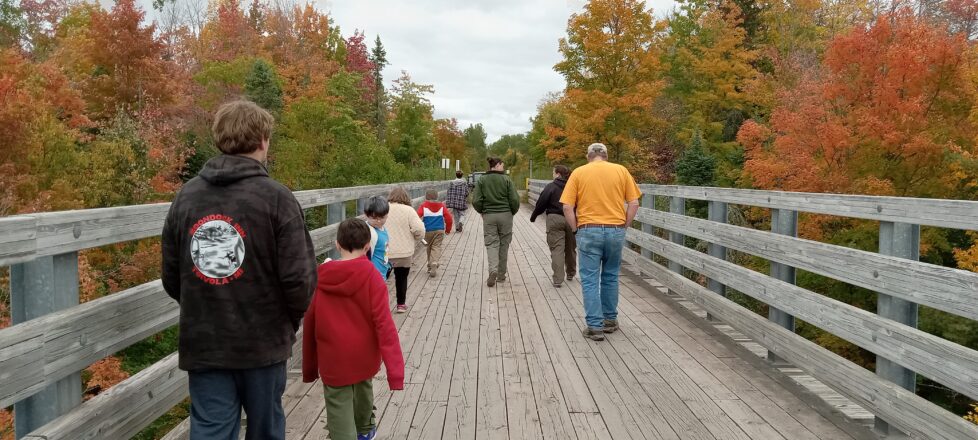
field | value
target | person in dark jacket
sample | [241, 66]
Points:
[560, 236]
[496, 199]
[239, 261]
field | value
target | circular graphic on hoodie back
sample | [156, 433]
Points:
[217, 248]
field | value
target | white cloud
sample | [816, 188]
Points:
[491, 61]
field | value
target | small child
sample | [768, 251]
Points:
[348, 329]
[437, 222]
[376, 211]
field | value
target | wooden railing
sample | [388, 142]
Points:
[894, 273]
[53, 337]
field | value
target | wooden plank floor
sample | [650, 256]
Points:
[509, 362]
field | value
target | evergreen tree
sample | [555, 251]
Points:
[696, 167]
[378, 56]
[262, 87]
[475, 141]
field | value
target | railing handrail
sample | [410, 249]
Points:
[944, 213]
[38, 353]
[28, 236]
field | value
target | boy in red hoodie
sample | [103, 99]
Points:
[348, 329]
[437, 223]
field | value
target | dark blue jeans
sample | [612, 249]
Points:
[217, 397]
[599, 263]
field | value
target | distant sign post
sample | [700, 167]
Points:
[445, 163]
[458, 165]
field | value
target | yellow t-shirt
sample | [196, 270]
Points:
[599, 191]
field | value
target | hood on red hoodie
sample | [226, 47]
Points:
[345, 277]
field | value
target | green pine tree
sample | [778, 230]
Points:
[262, 87]
[696, 167]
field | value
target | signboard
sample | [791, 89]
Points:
[458, 165]
[445, 163]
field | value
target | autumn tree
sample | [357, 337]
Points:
[358, 62]
[611, 65]
[451, 144]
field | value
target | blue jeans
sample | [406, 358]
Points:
[599, 261]
[217, 397]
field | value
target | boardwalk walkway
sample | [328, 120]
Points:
[509, 362]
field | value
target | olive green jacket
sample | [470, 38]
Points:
[495, 192]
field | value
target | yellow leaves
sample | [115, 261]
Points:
[972, 415]
[968, 258]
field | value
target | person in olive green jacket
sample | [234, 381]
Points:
[496, 199]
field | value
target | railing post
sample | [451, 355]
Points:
[717, 213]
[677, 205]
[335, 213]
[648, 201]
[898, 240]
[361, 204]
[42, 286]
[784, 222]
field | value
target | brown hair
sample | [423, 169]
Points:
[562, 170]
[353, 234]
[241, 126]
[432, 194]
[493, 161]
[399, 195]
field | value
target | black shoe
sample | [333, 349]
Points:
[594, 334]
[492, 279]
[610, 325]
[570, 277]
[501, 277]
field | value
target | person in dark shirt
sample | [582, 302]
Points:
[560, 236]
[239, 261]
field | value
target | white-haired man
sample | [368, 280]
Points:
[595, 200]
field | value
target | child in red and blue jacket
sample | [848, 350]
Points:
[437, 223]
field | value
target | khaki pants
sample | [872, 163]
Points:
[350, 410]
[498, 234]
[435, 240]
[563, 247]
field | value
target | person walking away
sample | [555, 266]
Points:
[456, 200]
[405, 229]
[437, 223]
[239, 261]
[496, 199]
[348, 331]
[560, 236]
[376, 211]
[594, 206]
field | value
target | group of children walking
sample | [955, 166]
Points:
[348, 328]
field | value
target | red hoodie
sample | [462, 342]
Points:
[348, 327]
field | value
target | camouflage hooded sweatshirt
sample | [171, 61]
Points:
[238, 259]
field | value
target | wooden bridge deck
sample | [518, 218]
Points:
[509, 362]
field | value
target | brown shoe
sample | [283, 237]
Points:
[492, 279]
[594, 334]
[610, 325]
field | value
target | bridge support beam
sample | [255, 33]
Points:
[898, 240]
[717, 213]
[42, 286]
[361, 204]
[648, 201]
[677, 205]
[335, 213]
[784, 222]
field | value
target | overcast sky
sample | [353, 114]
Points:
[491, 61]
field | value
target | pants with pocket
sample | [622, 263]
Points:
[350, 410]
[563, 247]
[435, 241]
[498, 234]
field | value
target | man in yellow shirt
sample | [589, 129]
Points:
[595, 200]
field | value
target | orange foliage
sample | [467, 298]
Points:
[105, 374]
[880, 119]
[968, 258]
[6, 425]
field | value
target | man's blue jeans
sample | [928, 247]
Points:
[217, 397]
[599, 261]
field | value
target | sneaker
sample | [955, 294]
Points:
[401, 308]
[570, 277]
[368, 436]
[458, 229]
[501, 277]
[610, 325]
[492, 279]
[433, 272]
[594, 334]
[557, 284]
